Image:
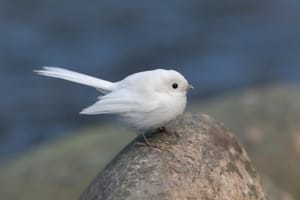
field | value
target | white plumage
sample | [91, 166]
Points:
[56, 72]
[145, 100]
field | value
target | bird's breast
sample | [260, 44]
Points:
[156, 111]
[167, 110]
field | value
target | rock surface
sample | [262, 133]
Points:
[62, 169]
[204, 162]
[266, 120]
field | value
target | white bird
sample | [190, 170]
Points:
[145, 100]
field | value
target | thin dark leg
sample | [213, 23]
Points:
[146, 142]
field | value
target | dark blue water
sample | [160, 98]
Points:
[218, 45]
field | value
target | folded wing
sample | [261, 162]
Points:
[119, 102]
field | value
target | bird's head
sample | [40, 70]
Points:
[172, 82]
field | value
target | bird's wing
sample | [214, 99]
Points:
[56, 72]
[120, 102]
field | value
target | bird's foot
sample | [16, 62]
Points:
[167, 132]
[146, 143]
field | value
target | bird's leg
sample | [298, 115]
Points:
[167, 132]
[146, 142]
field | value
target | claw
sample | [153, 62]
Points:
[145, 143]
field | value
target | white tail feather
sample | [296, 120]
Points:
[56, 72]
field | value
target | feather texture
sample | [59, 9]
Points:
[119, 102]
[144, 100]
[56, 72]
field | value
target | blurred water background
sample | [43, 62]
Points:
[219, 46]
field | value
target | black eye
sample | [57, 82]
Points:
[175, 85]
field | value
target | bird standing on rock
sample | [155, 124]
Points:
[144, 100]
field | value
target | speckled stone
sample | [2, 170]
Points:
[204, 162]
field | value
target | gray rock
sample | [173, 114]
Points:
[204, 162]
[266, 120]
